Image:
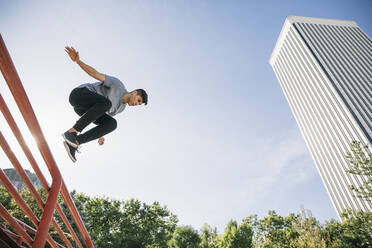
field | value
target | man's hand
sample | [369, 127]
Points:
[74, 55]
[101, 141]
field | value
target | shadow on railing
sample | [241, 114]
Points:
[41, 227]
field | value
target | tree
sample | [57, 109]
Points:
[114, 223]
[312, 234]
[237, 236]
[357, 229]
[111, 223]
[274, 230]
[360, 160]
[357, 225]
[333, 232]
[209, 237]
[185, 237]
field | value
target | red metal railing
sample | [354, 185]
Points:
[58, 186]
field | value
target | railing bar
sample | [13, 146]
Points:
[33, 230]
[16, 88]
[24, 105]
[4, 179]
[15, 225]
[5, 110]
[17, 133]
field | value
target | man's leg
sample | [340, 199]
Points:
[95, 105]
[80, 111]
[105, 124]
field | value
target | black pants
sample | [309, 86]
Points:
[92, 107]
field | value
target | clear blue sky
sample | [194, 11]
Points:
[217, 140]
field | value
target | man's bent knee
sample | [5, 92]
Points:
[112, 124]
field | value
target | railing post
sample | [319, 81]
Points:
[14, 83]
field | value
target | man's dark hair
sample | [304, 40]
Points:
[143, 94]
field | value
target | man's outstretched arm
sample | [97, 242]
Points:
[74, 55]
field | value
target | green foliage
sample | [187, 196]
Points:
[356, 229]
[209, 237]
[274, 230]
[185, 237]
[360, 160]
[10, 204]
[293, 231]
[112, 223]
[311, 234]
[237, 236]
[6, 198]
[332, 233]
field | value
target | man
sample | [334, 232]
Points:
[97, 103]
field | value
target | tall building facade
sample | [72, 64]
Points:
[325, 70]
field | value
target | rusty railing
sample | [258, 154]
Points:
[41, 227]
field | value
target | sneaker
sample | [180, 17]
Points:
[70, 138]
[70, 151]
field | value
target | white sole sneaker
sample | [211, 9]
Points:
[69, 142]
[68, 151]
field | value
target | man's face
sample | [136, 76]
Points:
[135, 99]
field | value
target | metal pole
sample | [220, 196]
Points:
[24, 105]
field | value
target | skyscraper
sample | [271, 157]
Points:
[325, 70]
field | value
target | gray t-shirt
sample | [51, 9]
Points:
[113, 89]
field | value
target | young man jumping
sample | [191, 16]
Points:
[97, 103]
